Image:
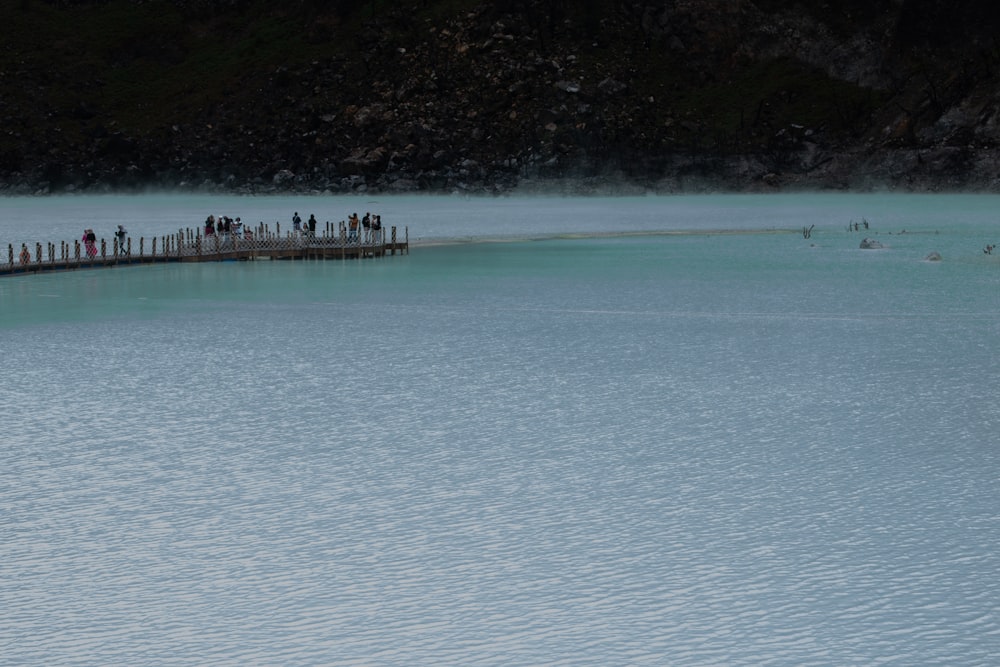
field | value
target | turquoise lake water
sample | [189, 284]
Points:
[623, 431]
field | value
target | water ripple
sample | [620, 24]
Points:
[677, 473]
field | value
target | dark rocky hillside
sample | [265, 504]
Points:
[492, 97]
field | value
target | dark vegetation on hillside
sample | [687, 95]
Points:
[458, 95]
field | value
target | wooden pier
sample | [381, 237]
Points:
[192, 246]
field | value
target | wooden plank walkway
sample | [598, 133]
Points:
[191, 246]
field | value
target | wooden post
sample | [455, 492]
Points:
[38, 253]
[76, 251]
[394, 240]
[10, 254]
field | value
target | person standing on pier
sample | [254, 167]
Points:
[90, 242]
[296, 222]
[352, 222]
[312, 225]
[25, 254]
[120, 235]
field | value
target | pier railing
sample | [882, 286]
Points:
[193, 245]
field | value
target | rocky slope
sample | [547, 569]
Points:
[492, 97]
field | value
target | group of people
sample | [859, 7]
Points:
[370, 225]
[223, 225]
[89, 240]
[309, 227]
[226, 226]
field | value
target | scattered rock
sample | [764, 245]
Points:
[492, 99]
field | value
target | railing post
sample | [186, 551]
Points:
[10, 254]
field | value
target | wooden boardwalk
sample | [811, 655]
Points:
[192, 246]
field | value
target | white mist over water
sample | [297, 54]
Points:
[671, 449]
[434, 219]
